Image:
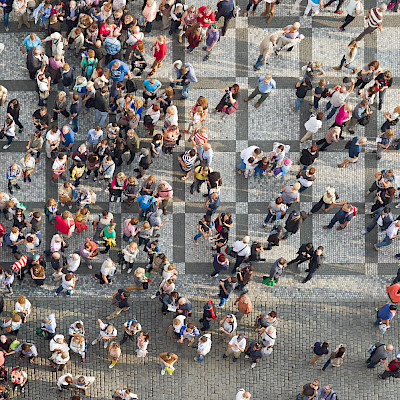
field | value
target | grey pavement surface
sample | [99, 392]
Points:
[337, 305]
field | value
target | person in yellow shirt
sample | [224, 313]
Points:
[200, 174]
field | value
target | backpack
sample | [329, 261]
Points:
[130, 86]
[372, 349]
[91, 65]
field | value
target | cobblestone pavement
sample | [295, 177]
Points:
[338, 304]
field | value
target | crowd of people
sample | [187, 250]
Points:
[118, 84]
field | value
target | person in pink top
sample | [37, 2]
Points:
[342, 117]
[150, 12]
[18, 380]
[164, 192]
[130, 229]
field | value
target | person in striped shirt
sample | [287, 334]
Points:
[374, 21]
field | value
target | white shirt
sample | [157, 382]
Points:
[230, 327]
[26, 308]
[237, 346]
[67, 285]
[239, 395]
[103, 332]
[313, 124]
[72, 264]
[52, 137]
[392, 230]
[204, 348]
[58, 346]
[393, 114]
[73, 330]
[246, 153]
[181, 318]
[354, 6]
[338, 99]
[241, 249]
[61, 380]
[127, 396]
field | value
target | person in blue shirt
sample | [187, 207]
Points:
[320, 349]
[225, 9]
[385, 314]
[343, 216]
[30, 42]
[117, 70]
[150, 88]
[67, 138]
[265, 86]
[354, 151]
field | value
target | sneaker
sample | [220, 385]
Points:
[246, 356]
[87, 177]
[94, 342]
[264, 225]
[234, 359]
[111, 366]
[206, 57]
[118, 199]
[7, 28]
[163, 370]
[364, 231]
[94, 179]
[90, 266]
[6, 146]
[112, 198]
[397, 205]
[253, 365]
[129, 270]
[105, 345]
[153, 296]
[123, 266]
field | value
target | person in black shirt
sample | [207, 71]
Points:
[254, 351]
[228, 104]
[305, 252]
[145, 161]
[121, 299]
[208, 315]
[75, 110]
[302, 87]
[100, 52]
[382, 82]
[41, 118]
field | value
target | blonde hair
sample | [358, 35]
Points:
[21, 299]
[121, 176]
[146, 225]
[139, 271]
[296, 25]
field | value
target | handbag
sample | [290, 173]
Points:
[364, 120]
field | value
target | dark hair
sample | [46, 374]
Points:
[325, 345]
[320, 116]
[340, 352]
[387, 210]
[393, 307]
[391, 191]
[207, 218]
[279, 200]
[273, 314]
[234, 279]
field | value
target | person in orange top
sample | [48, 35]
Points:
[244, 306]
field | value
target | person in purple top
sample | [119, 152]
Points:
[211, 40]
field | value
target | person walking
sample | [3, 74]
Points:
[265, 86]
[225, 9]
[276, 270]
[343, 216]
[355, 147]
[374, 21]
[266, 48]
[378, 353]
[381, 217]
[226, 287]
[313, 125]
[315, 263]
[304, 254]
[320, 349]
[338, 99]
[242, 250]
[336, 358]
[385, 314]
[354, 8]
[203, 347]
[391, 233]
[326, 393]
[393, 369]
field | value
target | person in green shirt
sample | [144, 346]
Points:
[109, 235]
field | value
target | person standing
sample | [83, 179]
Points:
[302, 87]
[226, 287]
[277, 269]
[326, 393]
[243, 395]
[338, 99]
[242, 250]
[382, 218]
[265, 86]
[236, 346]
[101, 106]
[212, 39]
[244, 306]
[383, 180]
[167, 360]
[360, 113]
[383, 82]
[391, 233]
[378, 353]
[374, 21]
[315, 263]
[203, 347]
[354, 8]
[392, 369]
[309, 390]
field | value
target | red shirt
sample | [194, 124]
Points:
[394, 365]
[160, 51]
[63, 225]
[18, 265]
[205, 20]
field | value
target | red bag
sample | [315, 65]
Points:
[2, 230]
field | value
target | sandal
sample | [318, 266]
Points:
[183, 178]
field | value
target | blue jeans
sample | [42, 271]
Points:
[333, 222]
[101, 117]
[242, 165]
[303, 188]
[326, 364]
[310, 275]
[185, 91]
[348, 66]
[198, 236]
[190, 48]
[332, 112]
[257, 171]
[297, 105]
[269, 216]
[385, 242]
[199, 357]
[222, 301]
[258, 63]
[6, 18]
[60, 289]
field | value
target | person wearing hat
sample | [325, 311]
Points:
[393, 369]
[343, 216]
[236, 346]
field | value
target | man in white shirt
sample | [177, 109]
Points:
[252, 151]
[391, 233]
[354, 8]
[242, 250]
[107, 333]
[243, 395]
[312, 125]
[59, 167]
[338, 99]
[203, 347]
[236, 346]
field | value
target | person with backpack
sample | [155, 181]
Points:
[147, 204]
[378, 354]
[393, 369]
[343, 216]
[89, 64]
